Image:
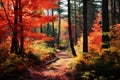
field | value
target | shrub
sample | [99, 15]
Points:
[106, 67]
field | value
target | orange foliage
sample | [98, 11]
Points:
[115, 38]
[95, 37]
[31, 18]
[115, 32]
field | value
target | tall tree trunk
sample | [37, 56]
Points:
[119, 11]
[53, 32]
[15, 43]
[80, 20]
[21, 49]
[75, 23]
[70, 31]
[105, 25]
[48, 25]
[85, 32]
[59, 27]
[110, 12]
[113, 12]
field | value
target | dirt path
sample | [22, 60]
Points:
[58, 70]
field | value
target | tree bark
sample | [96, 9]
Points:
[21, 49]
[85, 32]
[48, 25]
[119, 12]
[59, 27]
[75, 23]
[113, 12]
[105, 25]
[15, 43]
[41, 29]
[53, 32]
[70, 31]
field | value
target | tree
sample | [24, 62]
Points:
[59, 10]
[113, 11]
[105, 25]
[85, 32]
[59, 25]
[48, 24]
[70, 31]
[21, 17]
[21, 49]
[75, 22]
[53, 30]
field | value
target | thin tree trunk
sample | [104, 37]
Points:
[70, 31]
[110, 12]
[119, 12]
[48, 25]
[53, 32]
[41, 29]
[59, 27]
[85, 32]
[113, 12]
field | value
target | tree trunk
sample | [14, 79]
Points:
[70, 31]
[85, 36]
[110, 12]
[48, 25]
[75, 23]
[21, 49]
[53, 32]
[113, 12]
[41, 29]
[105, 25]
[119, 12]
[15, 43]
[59, 27]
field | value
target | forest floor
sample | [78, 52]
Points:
[59, 68]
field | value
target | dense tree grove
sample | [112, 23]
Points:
[59, 39]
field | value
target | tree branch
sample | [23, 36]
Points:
[7, 16]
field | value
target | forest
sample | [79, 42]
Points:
[59, 39]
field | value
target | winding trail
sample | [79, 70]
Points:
[57, 70]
